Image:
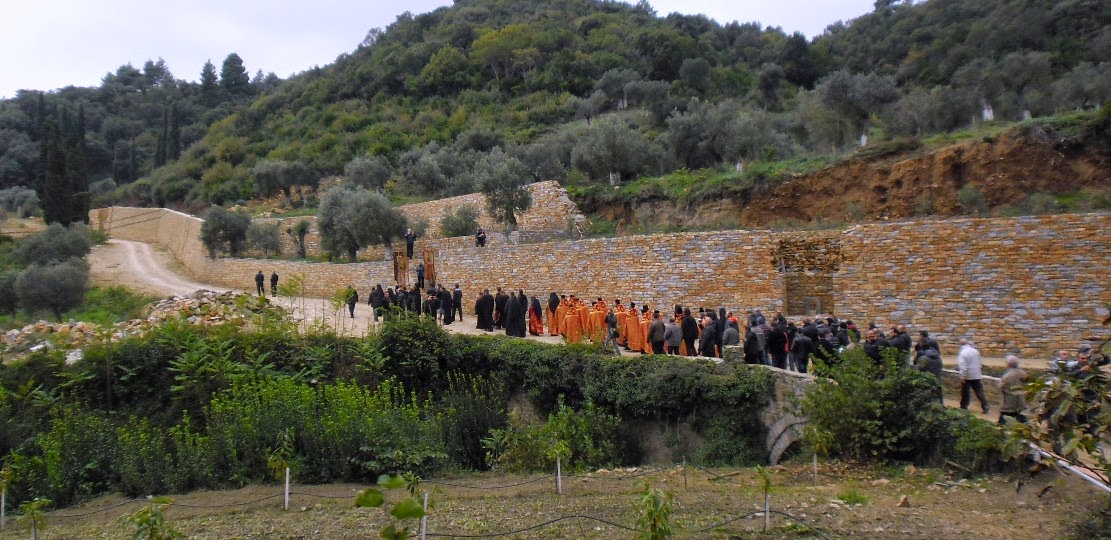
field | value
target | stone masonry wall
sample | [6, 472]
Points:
[548, 218]
[1026, 285]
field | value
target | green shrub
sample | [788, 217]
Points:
[416, 347]
[471, 407]
[463, 221]
[972, 199]
[78, 453]
[877, 412]
[582, 439]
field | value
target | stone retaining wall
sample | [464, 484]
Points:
[1026, 285]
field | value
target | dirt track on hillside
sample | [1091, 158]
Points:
[144, 268]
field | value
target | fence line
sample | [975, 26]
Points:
[639, 474]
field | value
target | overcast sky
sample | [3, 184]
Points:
[49, 44]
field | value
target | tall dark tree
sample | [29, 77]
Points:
[210, 87]
[77, 171]
[52, 188]
[797, 62]
[233, 76]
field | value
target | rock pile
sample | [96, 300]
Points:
[203, 307]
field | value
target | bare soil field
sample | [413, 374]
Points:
[845, 501]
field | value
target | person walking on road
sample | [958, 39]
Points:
[1014, 394]
[274, 284]
[259, 281]
[969, 365]
[352, 298]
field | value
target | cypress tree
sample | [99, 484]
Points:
[52, 191]
[77, 172]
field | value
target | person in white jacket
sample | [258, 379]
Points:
[968, 364]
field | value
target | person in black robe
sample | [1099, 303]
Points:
[485, 311]
[509, 314]
[522, 315]
[415, 300]
[500, 299]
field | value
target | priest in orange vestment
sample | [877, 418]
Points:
[572, 330]
[632, 329]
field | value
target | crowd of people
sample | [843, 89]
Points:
[774, 341]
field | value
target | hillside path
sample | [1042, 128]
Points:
[147, 269]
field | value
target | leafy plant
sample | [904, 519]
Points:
[280, 457]
[581, 439]
[406, 509]
[34, 514]
[654, 507]
[150, 521]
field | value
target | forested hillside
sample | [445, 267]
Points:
[582, 91]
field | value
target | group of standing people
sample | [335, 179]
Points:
[260, 283]
[513, 311]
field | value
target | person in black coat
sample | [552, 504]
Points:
[826, 349]
[274, 284]
[801, 349]
[930, 362]
[690, 331]
[708, 343]
[457, 303]
[753, 353]
[776, 343]
[377, 300]
[447, 306]
[259, 280]
[901, 340]
[720, 327]
[811, 331]
[415, 300]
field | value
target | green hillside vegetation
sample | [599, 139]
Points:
[597, 92]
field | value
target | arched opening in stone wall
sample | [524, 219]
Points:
[808, 262]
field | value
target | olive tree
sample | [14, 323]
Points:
[56, 287]
[354, 217]
[266, 237]
[297, 233]
[279, 176]
[56, 244]
[224, 231]
[371, 172]
[504, 180]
